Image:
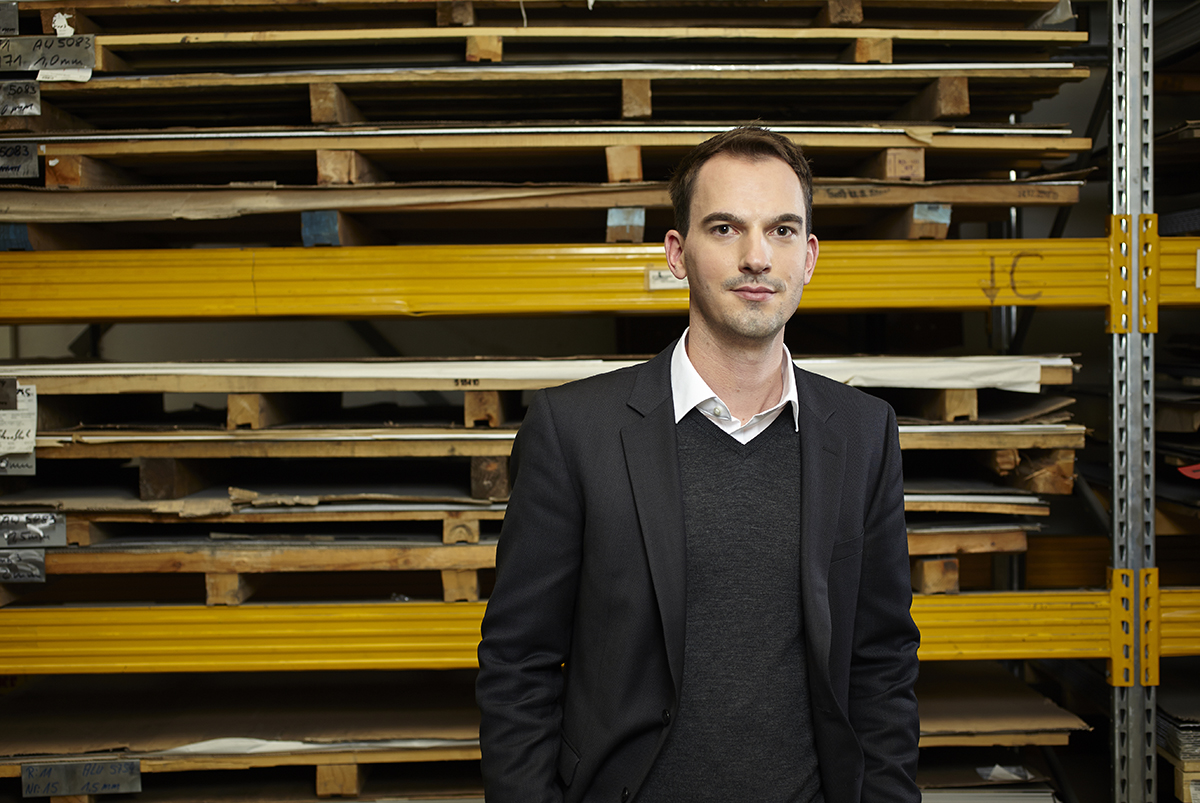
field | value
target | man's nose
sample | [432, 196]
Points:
[757, 256]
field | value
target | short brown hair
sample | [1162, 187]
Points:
[746, 142]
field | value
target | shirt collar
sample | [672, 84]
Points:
[689, 390]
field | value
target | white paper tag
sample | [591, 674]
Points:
[661, 279]
[18, 428]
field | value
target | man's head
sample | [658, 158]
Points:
[750, 143]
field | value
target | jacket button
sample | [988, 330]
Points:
[625, 794]
[666, 716]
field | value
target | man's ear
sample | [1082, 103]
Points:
[810, 261]
[674, 248]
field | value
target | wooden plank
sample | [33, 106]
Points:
[624, 163]
[967, 543]
[84, 171]
[227, 588]
[928, 506]
[868, 51]
[1001, 462]
[458, 529]
[485, 48]
[339, 167]
[69, 15]
[946, 98]
[224, 560]
[339, 780]
[837, 13]
[52, 118]
[996, 740]
[635, 98]
[1176, 417]
[161, 477]
[460, 585]
[328, 104]
[1067, 438]
[935, 575]
[894, 164]
[1057, 374]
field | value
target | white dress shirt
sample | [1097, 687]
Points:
[689, 390]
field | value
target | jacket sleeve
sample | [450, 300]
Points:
[527, 626]
[883, 706]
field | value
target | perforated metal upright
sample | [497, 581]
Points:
[1133, 321]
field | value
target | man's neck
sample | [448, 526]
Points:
[746, 376]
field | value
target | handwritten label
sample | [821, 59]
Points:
[22, 565]
[466, 383]
[18, 159]
[660, 279]
[21, 53]
[18, 428]
[8, 19]
[20, 99]
[81, 778]
[38, 529]
[18, 465]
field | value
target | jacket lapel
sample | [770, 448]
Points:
[822, 463]
[651, 456]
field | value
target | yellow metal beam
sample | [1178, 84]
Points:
[1180, 630]
[183, 284]
[178, 638]
[1179, 271]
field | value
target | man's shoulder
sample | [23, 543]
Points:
[827, 394]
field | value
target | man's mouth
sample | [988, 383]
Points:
[754, 292]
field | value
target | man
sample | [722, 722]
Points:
[702, 588]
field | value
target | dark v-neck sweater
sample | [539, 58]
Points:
[743, 728]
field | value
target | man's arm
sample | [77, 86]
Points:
[527, 627]
[883, 707]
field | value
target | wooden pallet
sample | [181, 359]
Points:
[943, 89]
[1187, 776]
[554, 152]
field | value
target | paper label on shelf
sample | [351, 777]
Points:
[20, 99]
[22, 565]
[22, 53]
[18, 428]
[18, 465]
[80, 778]
[38, 529]
[62, 27]
[8, 19]
[661, 279]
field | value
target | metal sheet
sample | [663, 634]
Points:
[19, 159]
[25, 53]
[33, 529]
[66, 778]
[22, 565]
[20, 99]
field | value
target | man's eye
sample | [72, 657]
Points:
[785, 231]
[723, 228]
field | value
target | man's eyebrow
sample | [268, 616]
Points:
[729, 217]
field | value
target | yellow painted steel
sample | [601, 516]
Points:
[64, 286]
[1121, 627]
[177, 638]
[1151, 624]
[1180, 613]
[1179, 271]
[1150, 270]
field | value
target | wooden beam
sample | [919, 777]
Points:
[455, 12]
[635, 98]
[52, 118]
[915, 222]
[1046, 472]
[895, 164]
[868, 51]
[346, 167]
[168, 478]
[227, 588]
[946, 98]
[935, 575]
[485, 48]
[624, 163]
[108, 61]
[339, 780]
[951, 405]
[328, 105]
[335, 228]
[459, 530]
[81, 23]
[460, 585]
[482, 407]
[84, 171]
[84, 532]
[489, 478]
[838, 13]
[263, 410]
[1001, 461]
[966, 543]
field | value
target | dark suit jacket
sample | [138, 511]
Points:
[582, 649]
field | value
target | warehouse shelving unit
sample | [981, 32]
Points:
[1130, 274]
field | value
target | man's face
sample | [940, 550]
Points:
[746, 255]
